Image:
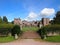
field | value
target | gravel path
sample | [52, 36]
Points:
[29, 42]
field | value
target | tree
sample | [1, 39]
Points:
[12, 22]
[56, 19]
[0, 19]
[5, 20]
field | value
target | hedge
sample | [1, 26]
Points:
[49, 29]
[53, 28]
[5, 29]
[3, 25]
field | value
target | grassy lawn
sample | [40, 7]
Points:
[30, 28]
[53, 39]
[6, 39]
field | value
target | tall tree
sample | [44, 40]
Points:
[0, 19]
[12, 22]
[5, 20]
[56, 19]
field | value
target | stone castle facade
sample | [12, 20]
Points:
[44, 22]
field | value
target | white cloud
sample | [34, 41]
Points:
[31, 16]
[47, 11]
[51, 19]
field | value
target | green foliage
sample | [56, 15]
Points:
[5, 29]
[42, 32]
[53, 39]
[57, 18]
[12, 22]
[5, 20]
[4, 25]
[0, 20]
[30, 28]
[49, 29]
[53, 28]
[6, 39]
[16, 30]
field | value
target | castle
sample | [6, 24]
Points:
[43, 22]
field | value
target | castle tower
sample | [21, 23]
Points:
[45, 21]
[17, 21]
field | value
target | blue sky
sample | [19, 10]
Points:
[28, 9]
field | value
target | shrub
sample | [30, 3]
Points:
[16, 30]
[42, 32]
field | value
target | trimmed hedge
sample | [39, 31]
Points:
[53, 28]
[5, 29]
[4, 25]
[49, 29]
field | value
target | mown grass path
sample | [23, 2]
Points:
[29, 40]
[30, 35]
